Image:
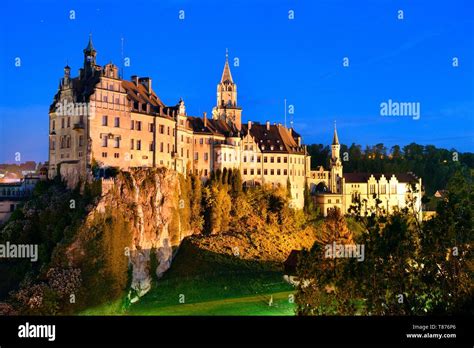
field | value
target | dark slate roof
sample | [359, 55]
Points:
[276, 139]
[291, 262]
[216, 127]
[364, 177]
[83, 88]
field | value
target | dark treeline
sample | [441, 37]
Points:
[434, 165]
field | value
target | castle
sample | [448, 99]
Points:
[99, 119]
[335, 189]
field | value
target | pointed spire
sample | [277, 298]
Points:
[90, 46]
[226, 75]
[335, 139]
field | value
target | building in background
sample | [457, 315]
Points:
[335, 189]
[13, 193]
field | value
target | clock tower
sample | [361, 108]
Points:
[226, 108]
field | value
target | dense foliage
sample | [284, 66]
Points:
[410, 268]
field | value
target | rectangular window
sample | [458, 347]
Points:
[245, 158]
[265, 159]
[278, 159]
[162, 147]
[285, 159]
[278, 172]
[152, 146]
[132, 144]
[272, 172]
[139, 144]
[196, 156]
[251, 172]
[393, 189]
[201, 141]
[265, 172]
[104, 120]
[139, 125]
[372, 189]
[245, 171]
[383, 189]
[117, 122]
[258, 159]
[272, 159]
[259, 171]
[104, 140]
[81, 140]
[285, 172]
[206, 156]
[132, 125]
[151, 127]
[104, 154]
[116, 155]
[117, 142]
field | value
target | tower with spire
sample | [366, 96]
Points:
[226, 107]
[336, 164]
[89, 58]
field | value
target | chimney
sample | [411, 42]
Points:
[146, 82]
[249, 124]
[299, 141]
[268, 125]
[205, 118]
[135, 79]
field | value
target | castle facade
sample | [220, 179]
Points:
[380, 193]
[99, 119]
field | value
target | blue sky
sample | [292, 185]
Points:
[300, 60]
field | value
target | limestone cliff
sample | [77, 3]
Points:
[148, 203]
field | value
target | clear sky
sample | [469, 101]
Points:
[300, 60]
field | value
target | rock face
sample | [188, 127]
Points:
[149, 201]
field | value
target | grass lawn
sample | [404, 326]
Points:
[231, 294]
[251, 305]
[204, 284]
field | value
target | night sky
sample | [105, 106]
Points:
[300, 60]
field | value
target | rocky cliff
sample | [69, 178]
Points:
[151, 208]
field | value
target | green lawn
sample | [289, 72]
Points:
[237, 293]
[202, 283]
[251, 305]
